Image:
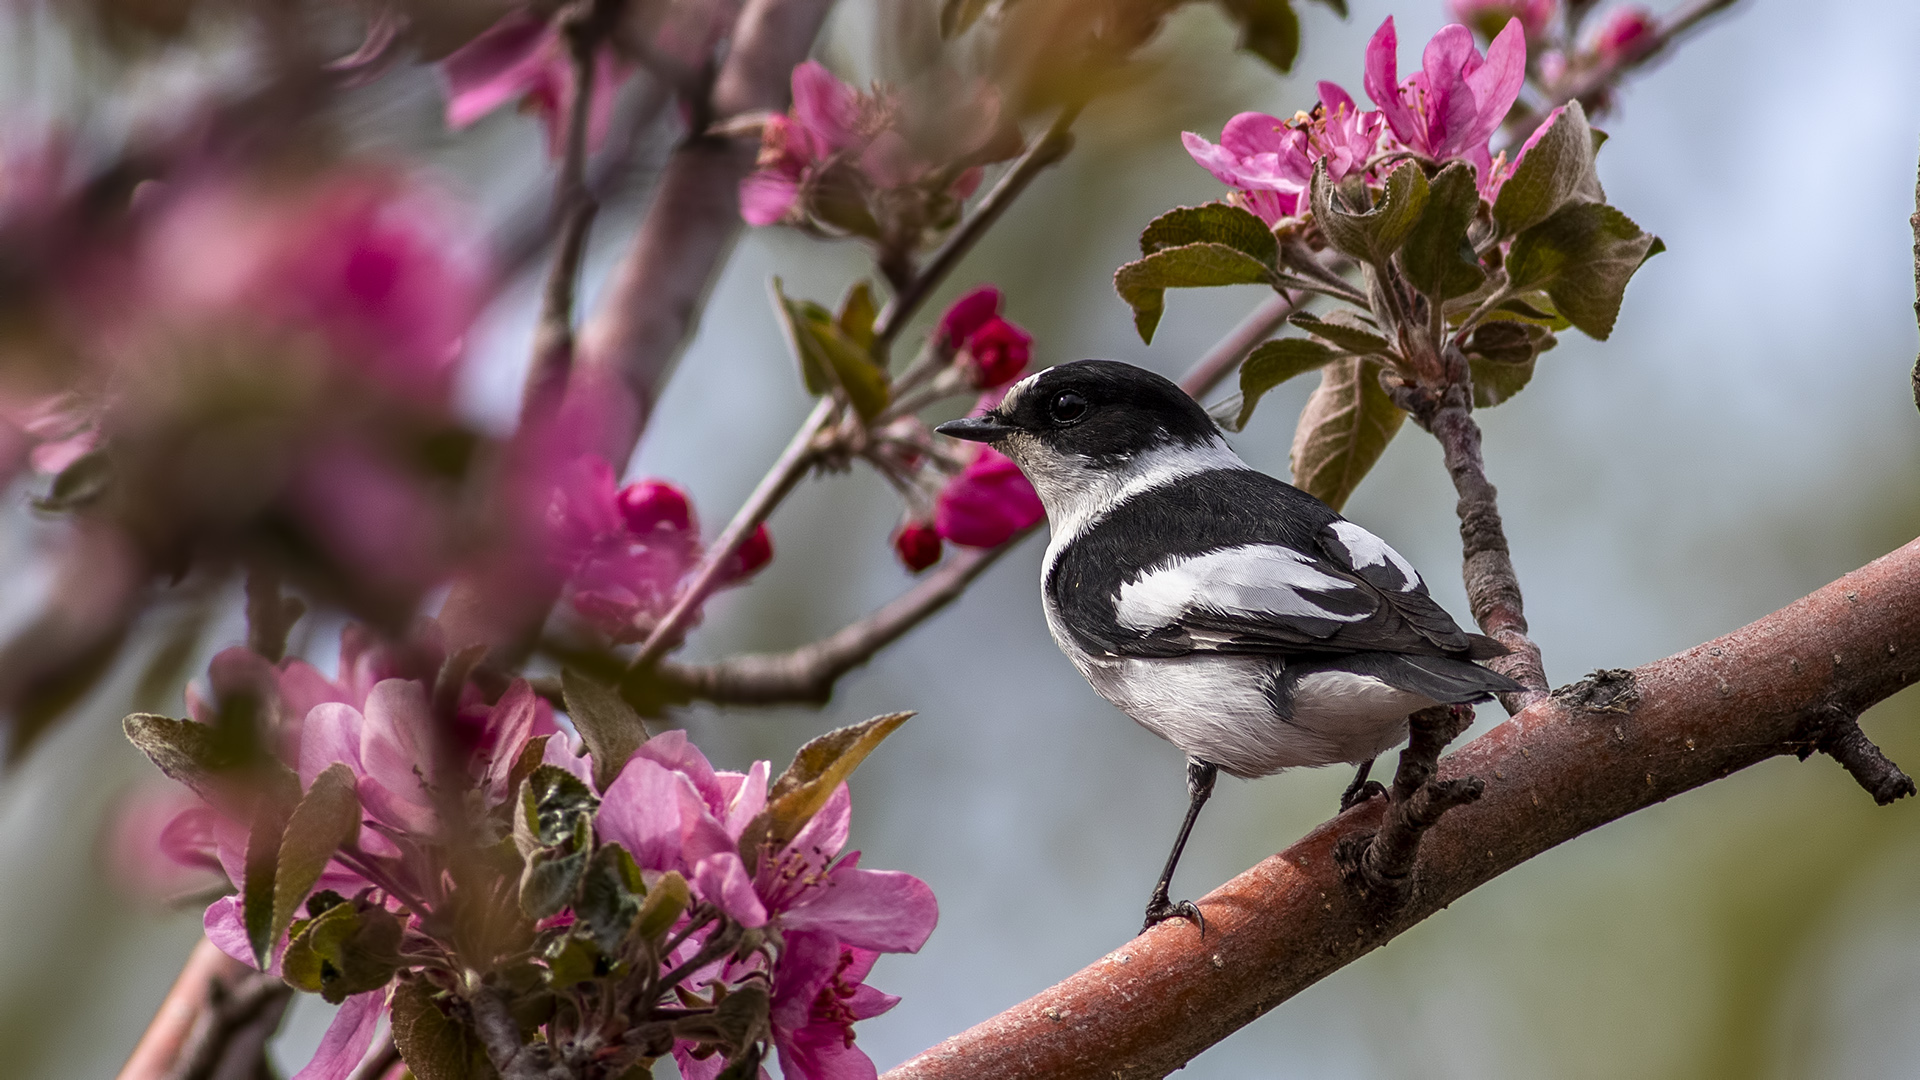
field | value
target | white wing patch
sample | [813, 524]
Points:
[1259, 580]
[1366, 549]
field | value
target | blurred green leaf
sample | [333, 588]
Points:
[1273, 363]
[49, 695]
[1583, 257]
[327, 817]
[573, 960]
[1143, 283]
[81, 482]
[608, 725]
[663, 905]
[529, 760]
[1343, 430]
[829, 358]
[349, 949]
[1555, 170]
[857, 313]
[1438, 258]
[1373, 235]
[1344, 329]
[1269, 29]
[1211, 223]
[736, 1022]
[434, 1045]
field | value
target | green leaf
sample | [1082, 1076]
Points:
[735, 1024]
[1374, 235]
[1339, 7]
[1143, 283]
[829, 358]
[327, 817]
[607, 724]
[553, 803]
[1556, 170]
[1534, 307]
[1211, 223]
[1268, 28]
[957, 15]
[191, 753]
[1438, 258]
[663, 905]
[349, 949]
[434, 1045]
[573, 960]
[1583, 257]
[1501, 355]
[258, 900]
[817, 769]
[1344, 429]
[607, 906]
[530, 758]
[81, 482]
[857, 313]
[1273, 363]
[1345, 329]
[551, 878]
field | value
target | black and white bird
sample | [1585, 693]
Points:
[1234, 615]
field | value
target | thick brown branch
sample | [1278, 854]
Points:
[500, 1034]
[214, 1024]
[1566, 765]
[653, 300]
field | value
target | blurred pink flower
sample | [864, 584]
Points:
[1451, 107]
[524, 58]
[1269, 162]
[1626, 34]
[987, 503]
[1489, 17]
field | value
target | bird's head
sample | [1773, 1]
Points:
[1083, 427]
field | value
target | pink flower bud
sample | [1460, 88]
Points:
[1488, 17]
[918, 545]
[755, 552]
[1626, 35]
[967, 315]
[989, 502]
[998, 352]
[647, 505]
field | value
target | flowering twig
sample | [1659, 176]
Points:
[1591, 754]
[500, 1033]
[1915, 222]
[1593, 82]
[808, 673]
[574, 208]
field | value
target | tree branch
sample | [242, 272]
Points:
[808, 674]
[214, 1023]
[500, 1034]
[1915, 222]
[1590, 754]
[1592, 84]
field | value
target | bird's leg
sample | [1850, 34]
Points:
[1361, 789]
[1200, 776]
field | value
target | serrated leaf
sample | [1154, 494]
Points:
[326, 817]
[434, 1045]
[1344, 329]
[551, 878]
[817, 769]
[857, 313]
[607, 905]
[83, 481]
[1343, 430]
[1374, 235]
[608, 725]
[956, 16]
[530, 758]
[189, 752]
[1495, 382]
[261, 866]
[828, 358]
[663, 905]
[1273, 363]
[1438, 258]
[349, 949]
[1211, 223]
[1144, 282]
[734, 1025]
[1556, 170]
[1269, 29]
[554, 802]
[1534, 307]
[1583, 258]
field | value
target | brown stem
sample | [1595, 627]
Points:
[1592, 84]
[500, 1034]
[1914, 221]
[213, 1025]
[808, 674]
[270, 616]
[1841, 739]
[1565, 766]
[1381, 866]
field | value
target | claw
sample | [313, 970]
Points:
[1354, 796]
[1161, 909]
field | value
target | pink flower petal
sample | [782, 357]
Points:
[884, 910]
[1496, 84]
[227, 930]
[988, 503]
[330, 734]
[497, 67]
[827, 109]
[1382, 84]
[723, 882]
[968, 314]
[347, 1039]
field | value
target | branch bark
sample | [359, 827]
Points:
[1591, 753]
[1915, 222]
[214, 1023]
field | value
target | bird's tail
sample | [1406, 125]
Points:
[1445, 680]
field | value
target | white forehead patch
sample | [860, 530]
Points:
[1011, 400]
[1367, 549]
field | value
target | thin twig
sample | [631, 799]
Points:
[1596, 81]
[1050, 147]
[1915, 222]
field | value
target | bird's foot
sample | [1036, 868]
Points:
[1359, 793]
[1160, 909]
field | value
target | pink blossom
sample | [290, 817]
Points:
[822, 992]
[524, 58]
[1269, 162]
[993, 350]
[1626, 35]
[987, 503]
[1488, 17]
[1450, 108]
[918, 545]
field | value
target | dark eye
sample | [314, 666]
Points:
[1067, 407]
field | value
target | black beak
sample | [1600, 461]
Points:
[982, 429]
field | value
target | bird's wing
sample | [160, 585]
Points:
[1245, 564]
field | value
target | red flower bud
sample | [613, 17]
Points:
[1627, 33]
[967, 315]
[647, 505]
[752, 554]
[918, 545]
[1000, 352]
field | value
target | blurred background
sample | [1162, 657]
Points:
[1746, 436]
